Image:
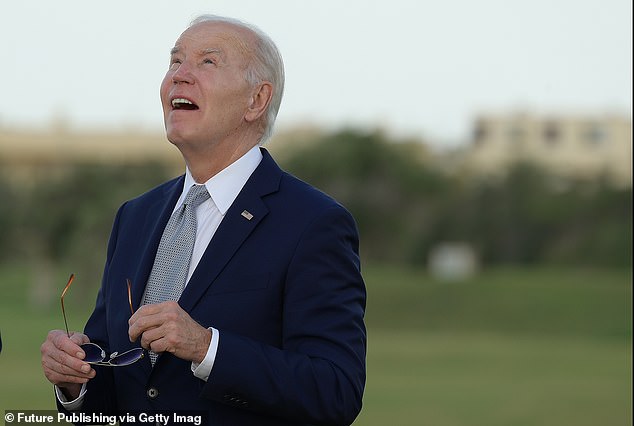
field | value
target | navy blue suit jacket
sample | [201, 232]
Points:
[283, 288]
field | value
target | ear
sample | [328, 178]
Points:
[259, 101]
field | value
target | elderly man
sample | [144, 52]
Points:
[245, 282]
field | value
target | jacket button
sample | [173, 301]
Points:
[152, 393]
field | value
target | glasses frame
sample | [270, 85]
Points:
[137, 353]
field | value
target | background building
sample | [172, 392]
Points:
[569, 145]
[573, 146]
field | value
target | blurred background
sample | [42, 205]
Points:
[484, 148]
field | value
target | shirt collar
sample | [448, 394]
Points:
[225, 186]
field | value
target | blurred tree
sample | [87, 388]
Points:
[65, 222]
[379, 182]
[8, 212]
[405, 206]
[594, 226]
[403, 203]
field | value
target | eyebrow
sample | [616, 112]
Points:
[207, 51]
[210, 51]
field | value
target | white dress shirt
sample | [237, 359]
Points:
[223, 188]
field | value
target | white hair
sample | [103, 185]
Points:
[267, 65]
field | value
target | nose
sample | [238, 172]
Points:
[183, 74]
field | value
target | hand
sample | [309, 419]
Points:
[166, 327]
[62, 361]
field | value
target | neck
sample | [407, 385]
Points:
[204, 164]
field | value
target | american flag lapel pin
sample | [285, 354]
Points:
[247, 215]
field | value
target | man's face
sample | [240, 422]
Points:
[205, 94]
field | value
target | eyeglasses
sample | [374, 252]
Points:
[94, 353]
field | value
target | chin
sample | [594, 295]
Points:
[176, 138]
[176, 134]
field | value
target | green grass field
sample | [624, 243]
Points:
[511, 347]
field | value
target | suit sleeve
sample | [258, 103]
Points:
[318, 375]
[100, 391]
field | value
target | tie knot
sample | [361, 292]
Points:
[196, 195]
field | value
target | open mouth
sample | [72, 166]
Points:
[183, 104]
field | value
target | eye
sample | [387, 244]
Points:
[208, 61]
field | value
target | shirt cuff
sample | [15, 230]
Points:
[203, 370]
[73, 405]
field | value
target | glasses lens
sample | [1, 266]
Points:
[126, 358]
[93, 352]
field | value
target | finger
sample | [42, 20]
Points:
[138, 322]
[58, 342]
[79, 338]
[58, 373]
[162, 344]
[184, 339]
[66, 344]
[145, 310]
[66, 362]
[151, 317]
[164, 337]
[155, 309]
[63, 380]
[142, 324]
[150, 335]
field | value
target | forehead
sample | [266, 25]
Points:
[228, 39]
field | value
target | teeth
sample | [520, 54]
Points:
[181, 101]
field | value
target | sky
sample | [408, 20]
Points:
[413, 68]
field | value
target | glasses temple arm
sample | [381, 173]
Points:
[70, 281]
[130, 295]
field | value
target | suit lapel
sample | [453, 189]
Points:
[234, 229]
[244, 215]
